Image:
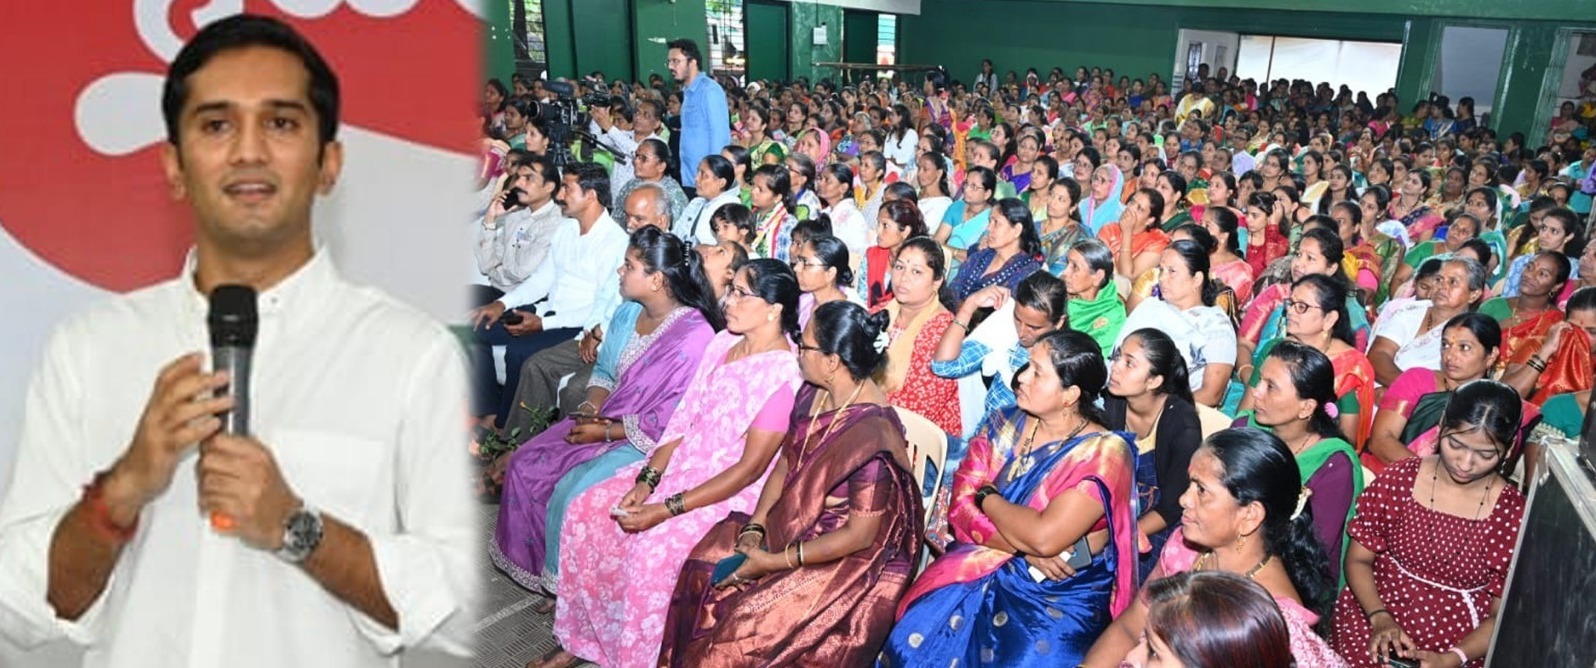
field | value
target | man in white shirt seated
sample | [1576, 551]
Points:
[510, 246]
[576, 286]
[340, 529]
[653, 157]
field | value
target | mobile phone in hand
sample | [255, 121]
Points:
[511, 317]
[1399, 662]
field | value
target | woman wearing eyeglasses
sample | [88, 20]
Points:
[821, 265]
[711, 459]
[1316, 315]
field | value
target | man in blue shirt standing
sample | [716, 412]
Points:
[706, 123]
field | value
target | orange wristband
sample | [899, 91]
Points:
[99, 514]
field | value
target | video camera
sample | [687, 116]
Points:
[567, 119]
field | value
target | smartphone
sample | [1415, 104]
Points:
[512, 198]
[1398, 662]
[511, 318]
[1080, 555]
[726, 567]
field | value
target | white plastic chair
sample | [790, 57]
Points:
[928, 449]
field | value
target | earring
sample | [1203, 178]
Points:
[770, 317]
[1241, 542]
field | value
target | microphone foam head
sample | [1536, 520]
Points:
[233, 318]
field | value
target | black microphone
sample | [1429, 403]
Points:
[234, 322]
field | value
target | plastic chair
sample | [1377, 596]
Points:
[1212, 420]
[928, 451]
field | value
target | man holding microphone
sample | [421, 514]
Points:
[339, 532]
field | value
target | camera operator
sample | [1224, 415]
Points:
[645, 126]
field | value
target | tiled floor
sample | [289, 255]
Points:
[510, 634]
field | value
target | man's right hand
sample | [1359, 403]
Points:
[485, 316]
[180, 413]
[587, 350]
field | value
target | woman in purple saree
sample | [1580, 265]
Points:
[662, 330]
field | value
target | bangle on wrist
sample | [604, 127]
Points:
[963, 326]
[1370, 614]
[1460, 655]
[648, 476]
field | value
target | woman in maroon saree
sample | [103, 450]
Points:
[831, 546]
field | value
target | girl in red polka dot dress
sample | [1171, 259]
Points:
[1432, 542]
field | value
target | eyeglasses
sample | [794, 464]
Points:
[803, 348]
[737, 293]
[1300, 307]
[800, 263]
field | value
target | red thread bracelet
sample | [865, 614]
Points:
[99, 514]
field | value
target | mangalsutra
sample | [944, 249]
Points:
[1435, 477]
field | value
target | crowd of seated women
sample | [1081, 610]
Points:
[1263, 360]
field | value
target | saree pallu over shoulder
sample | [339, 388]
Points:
[981, 605]
[834, 614]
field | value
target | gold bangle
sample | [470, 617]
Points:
[787, 554]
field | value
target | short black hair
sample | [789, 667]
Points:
[242, 31]
[591, 176]
[689, 50]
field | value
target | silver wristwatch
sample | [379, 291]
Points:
[301, 534]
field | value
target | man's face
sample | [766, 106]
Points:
[645, 121]
[572, 198]
[534, 189]
[248, 159]
[679, 65]
[640, 208]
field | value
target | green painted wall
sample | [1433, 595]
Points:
[1135, 37]
[805, 17]
[498, 52]
[660, 21]
[624, 38]
[1548, 10]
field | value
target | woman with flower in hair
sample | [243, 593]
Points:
[814, 573]
[1295, 399]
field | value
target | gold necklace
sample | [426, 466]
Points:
[1203, 564]
[1028, 460]
[803, 448]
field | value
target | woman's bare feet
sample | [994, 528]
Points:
[556, 658]
[545, 606]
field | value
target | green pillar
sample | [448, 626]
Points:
[1518, 99]
[1421, 46]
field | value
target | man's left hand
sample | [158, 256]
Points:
[239, 479]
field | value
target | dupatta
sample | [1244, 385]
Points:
[1100, 318]
[901, 349]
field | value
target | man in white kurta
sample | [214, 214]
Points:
[132, 526]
